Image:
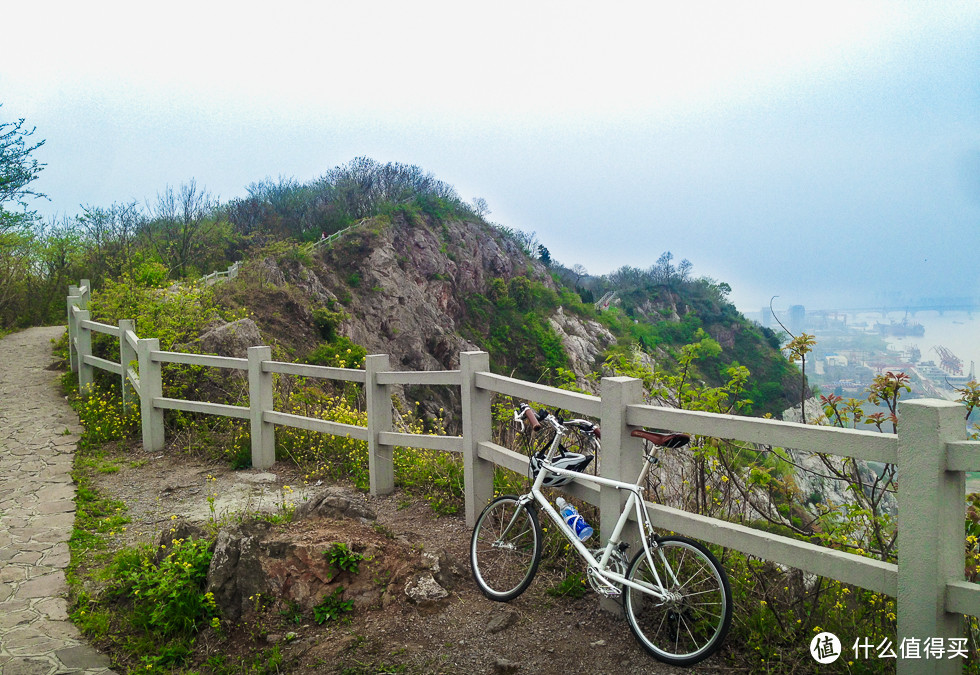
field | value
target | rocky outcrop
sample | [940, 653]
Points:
[256, 566]
[584, 342]
[409, 283]
[231, 339]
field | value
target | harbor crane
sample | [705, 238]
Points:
[949, 362]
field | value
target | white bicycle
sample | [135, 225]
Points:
[675, 593]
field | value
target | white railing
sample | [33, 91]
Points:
[329, 239]
[214, 277]
[930, 451]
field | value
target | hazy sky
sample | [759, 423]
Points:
[824, 152]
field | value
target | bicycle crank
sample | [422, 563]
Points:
[601, 586]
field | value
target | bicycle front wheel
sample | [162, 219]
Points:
[690, 624]
[506, 548]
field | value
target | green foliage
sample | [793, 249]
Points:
[777, 610]
[513, 327]
[324, 455]
[340, 352]
[150, 274]
[168, 597]
[176, 317]
[102, 416]
[682, 388]
[519, 290]
[969, 395]
[327, 321]
[342, 558]
[18, 168]
[332, 607]
[574, 585]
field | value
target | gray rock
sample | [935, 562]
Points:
[334, 502]
[505, 667]
[501, 620]
[425, 590]
[231, 339]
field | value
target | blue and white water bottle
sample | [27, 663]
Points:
[574, 519]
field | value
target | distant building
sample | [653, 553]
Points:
[797, 319]
[766, 315]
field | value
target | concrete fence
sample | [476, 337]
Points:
[214, 277]
[931, 453]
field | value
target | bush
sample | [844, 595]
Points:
[338, 353]
[169, 597]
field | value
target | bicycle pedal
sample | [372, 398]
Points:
[601, 586]
[609, 592]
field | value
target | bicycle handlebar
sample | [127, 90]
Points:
[531, 417]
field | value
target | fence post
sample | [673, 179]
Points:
[260, 400]
[477, 427]
[622, 457]
[931, 512]
[73, 300]
[126, 356]
[151, 386]
[86, 374]
[86, 295]
[381, 467]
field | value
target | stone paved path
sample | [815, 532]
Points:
[38, 433]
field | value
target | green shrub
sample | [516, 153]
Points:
[102, 416]
[332, 607]
[338, 353]
[327, 321]
[169, 597]
[342, 558]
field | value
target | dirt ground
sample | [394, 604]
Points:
[465, 633]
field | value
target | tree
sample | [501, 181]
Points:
[481, 208]
[18, 243]
[183, 223]
[110, 237]
[544, 255]
[17, 168]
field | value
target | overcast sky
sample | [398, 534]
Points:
[825, 152]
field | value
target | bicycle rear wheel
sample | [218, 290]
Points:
[692, 622]
[506, 548]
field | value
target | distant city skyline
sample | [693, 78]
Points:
[825, 153]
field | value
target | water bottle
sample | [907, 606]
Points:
[574, 520]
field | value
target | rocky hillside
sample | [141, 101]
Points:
[424, 289]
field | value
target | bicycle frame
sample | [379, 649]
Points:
[633, 503]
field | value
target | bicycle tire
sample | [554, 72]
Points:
[692, 625]
[504, 559]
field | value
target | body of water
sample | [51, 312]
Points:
[958, 332]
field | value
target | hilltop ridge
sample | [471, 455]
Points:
[423, 288]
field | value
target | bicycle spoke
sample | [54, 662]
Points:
[505, 548]
[692, 619]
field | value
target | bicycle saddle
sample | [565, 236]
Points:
[663, 440]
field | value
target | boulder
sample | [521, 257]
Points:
[231, 339]
[334, 502]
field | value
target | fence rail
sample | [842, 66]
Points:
[930, 452]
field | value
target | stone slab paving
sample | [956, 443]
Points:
[38, 434]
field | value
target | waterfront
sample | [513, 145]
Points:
[852, 347]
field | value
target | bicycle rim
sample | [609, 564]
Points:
[506, 548]
[691, 624]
